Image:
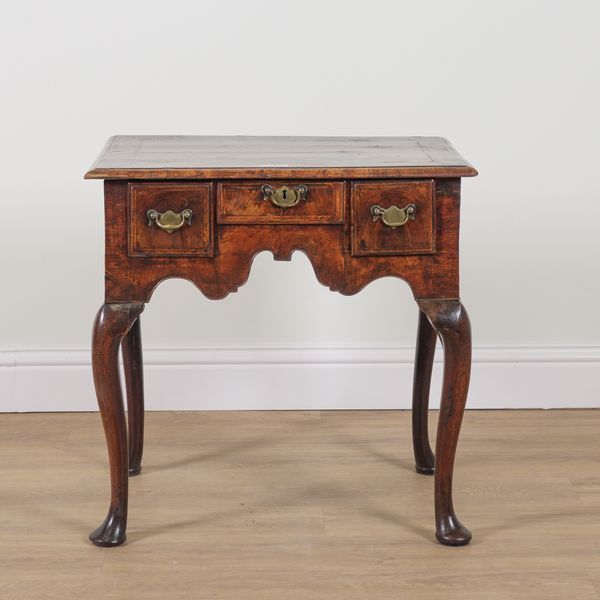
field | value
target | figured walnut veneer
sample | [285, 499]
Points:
[134, 268]
[298, 157]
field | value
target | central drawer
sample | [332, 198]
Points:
[280, 202]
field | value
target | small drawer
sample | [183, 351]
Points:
[393, 217]
[170, 219]
[280, 202]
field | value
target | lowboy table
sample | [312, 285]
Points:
[201, 208]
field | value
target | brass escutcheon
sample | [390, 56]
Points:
[393, 216]
[284, 196]
[169, 221]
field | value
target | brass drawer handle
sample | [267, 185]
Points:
[393, 216]
[284, 197]
[169, 221]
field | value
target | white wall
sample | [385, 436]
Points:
[515, 85]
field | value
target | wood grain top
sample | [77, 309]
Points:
[253, 157]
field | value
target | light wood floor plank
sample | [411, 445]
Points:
[302, 505]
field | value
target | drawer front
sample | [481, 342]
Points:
[170, 219]
[393, 218]
[281, 202]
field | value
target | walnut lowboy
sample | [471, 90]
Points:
[200, 208]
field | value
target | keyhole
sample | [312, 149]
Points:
[284, 194]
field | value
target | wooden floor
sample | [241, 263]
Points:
[295, 505]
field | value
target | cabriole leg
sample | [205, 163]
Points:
[449, 318]
[111, 325]
[131, 348]
[426, 339]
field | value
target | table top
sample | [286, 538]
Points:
[239, 157]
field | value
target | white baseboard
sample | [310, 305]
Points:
[304, 378]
